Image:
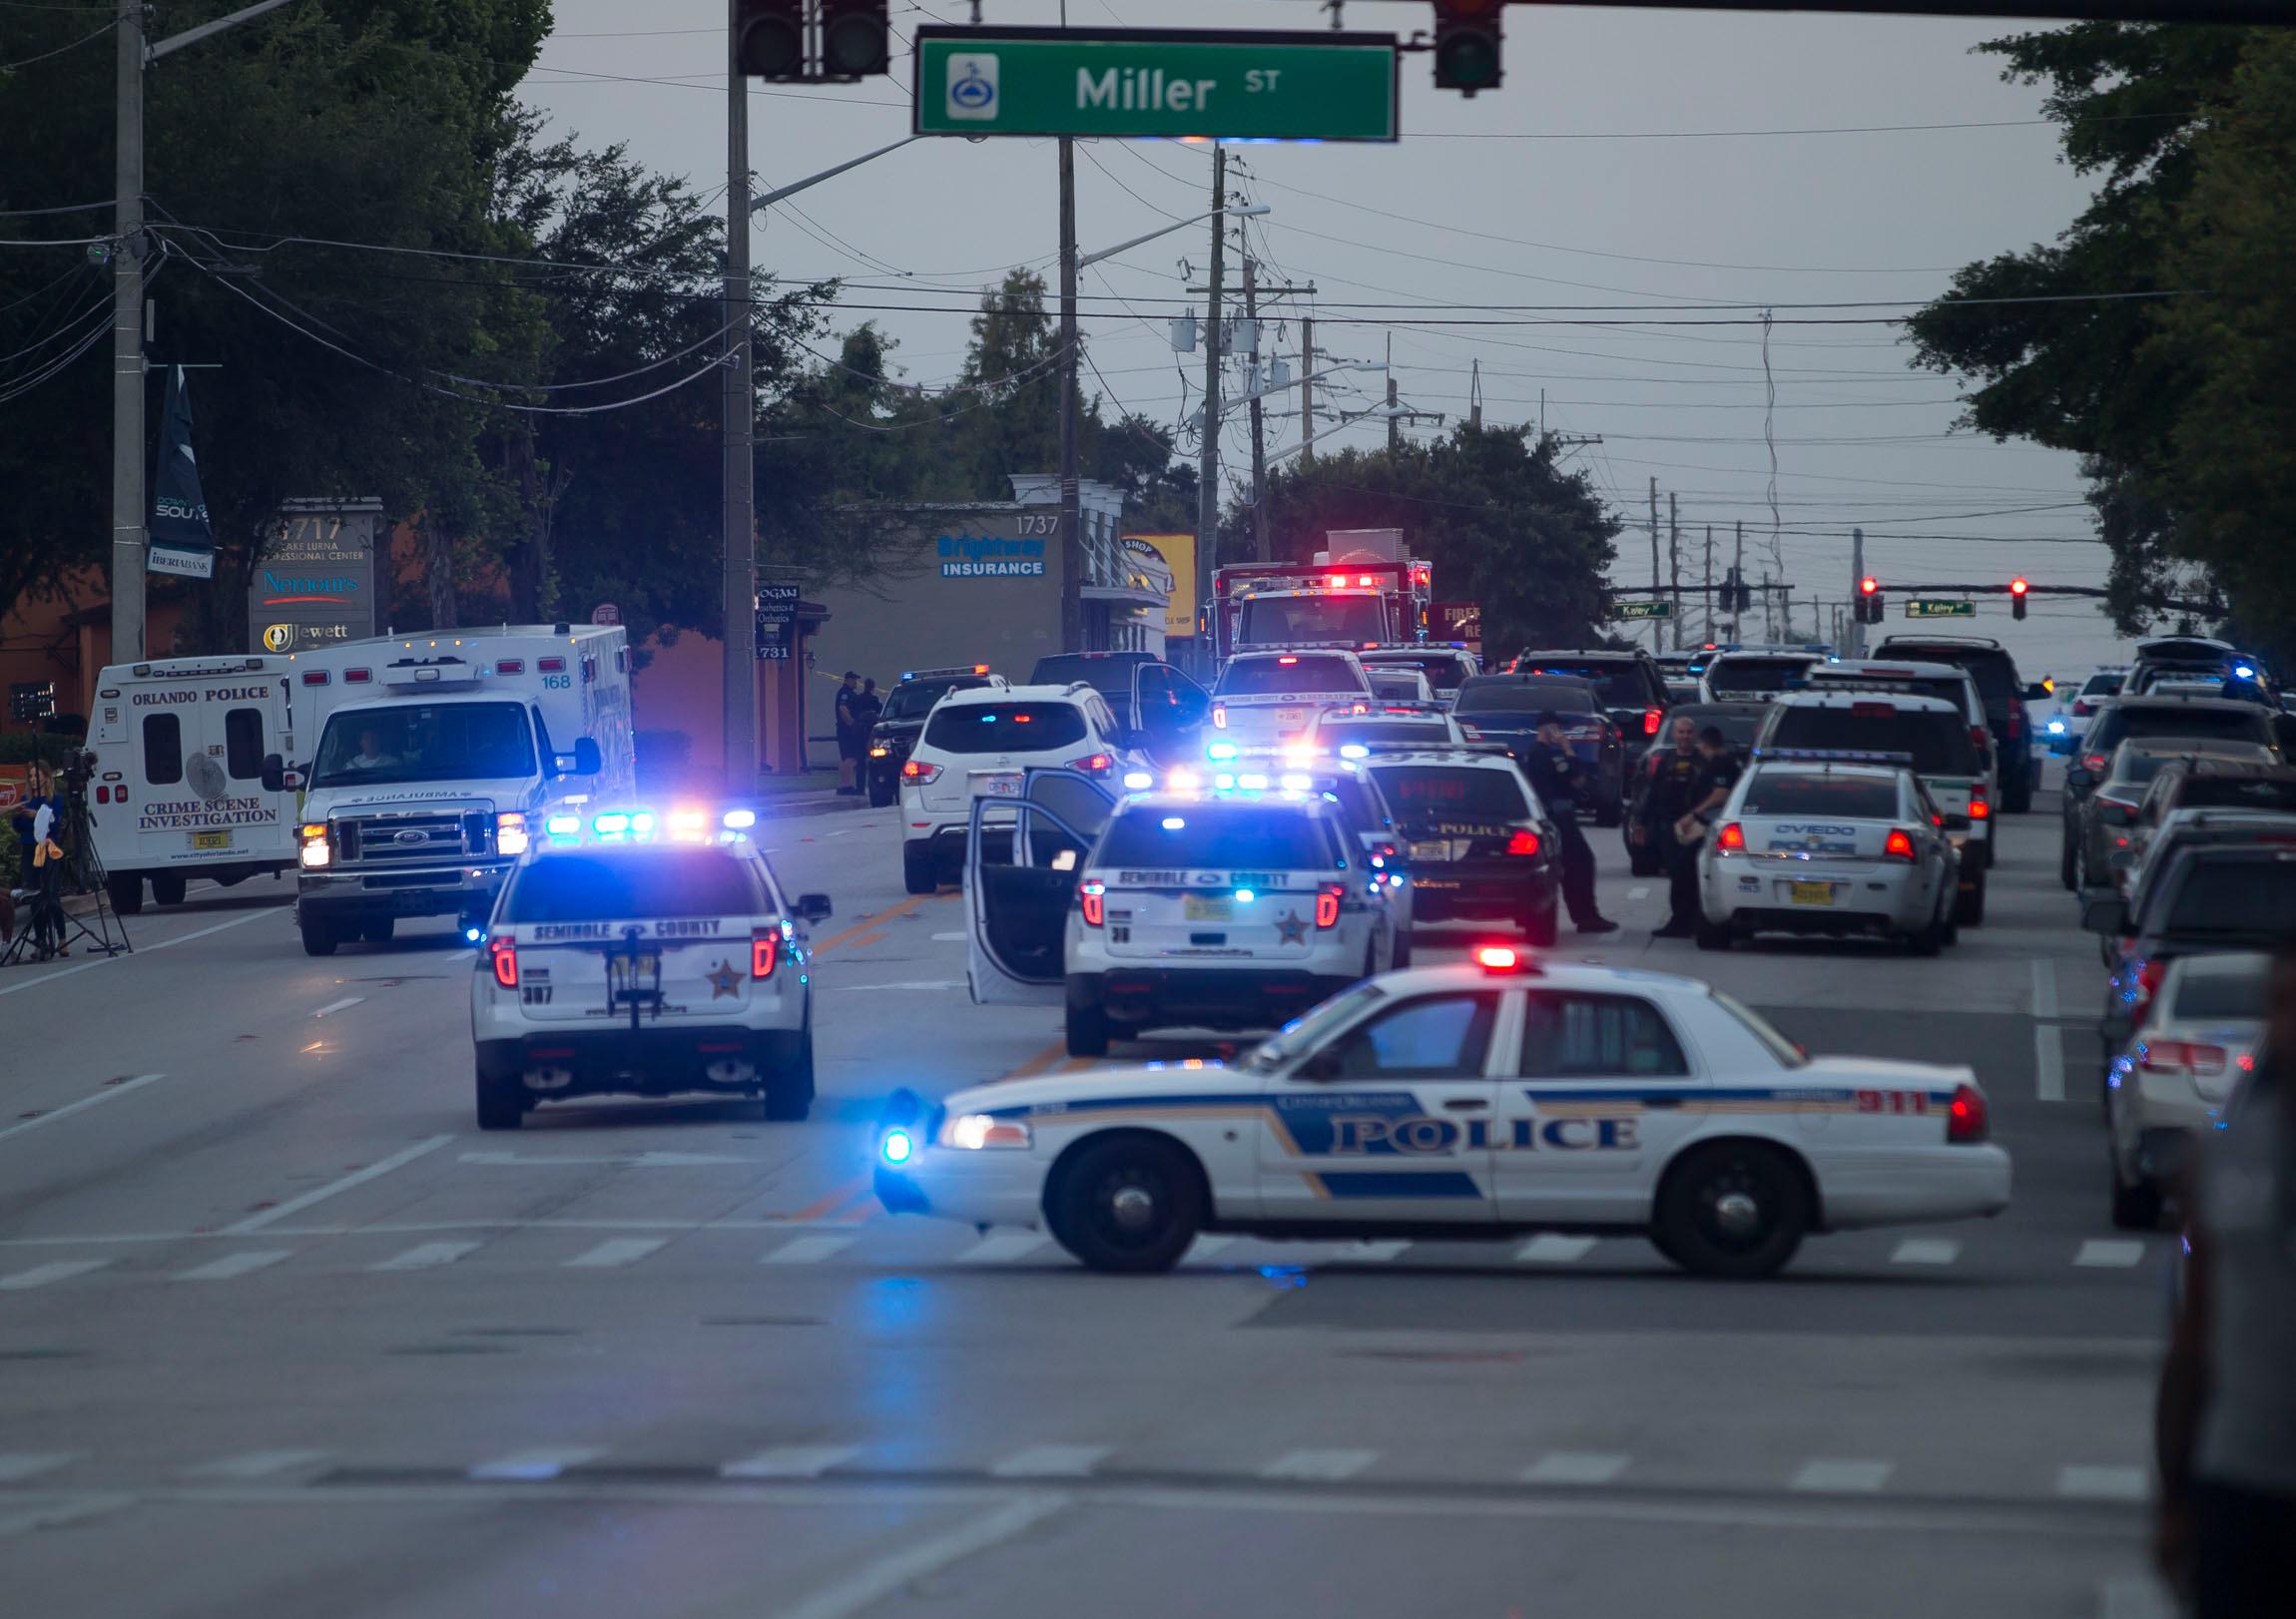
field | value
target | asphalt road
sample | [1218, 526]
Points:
[281, 1333]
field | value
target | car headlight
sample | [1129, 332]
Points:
[511, 833]
[315, 850]
[974, 1131]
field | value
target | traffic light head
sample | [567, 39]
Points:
[1869, 600]
[769, 42]
[854, 38]
[2017, 588]
[1466, 45]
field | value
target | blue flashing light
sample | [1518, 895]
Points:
[642, 823]
[1245, 896]
[2243, 671]
[611, 826]
[1354, 750]
[897, 1147]
[476, 935]
[1225, 782]
[1138, 780]
[1173, 824]
[1220, 750]
[739, 820]
[1253, 782]
[564, 825]
[2056, 728]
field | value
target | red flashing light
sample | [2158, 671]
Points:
[502, 954]
[1091, 897]
[509, 666]
[764, 951]
[2018, 587]
[1979, 810]
[1731, 840]
[1966, 1119]
[1523, 842]
[1652, 718]
[1899, 846]
[1497, 957]
[315, 677]
[1287, 659]
[358, 677]
[1868, 585]
[1337, 580]
[1328, 904]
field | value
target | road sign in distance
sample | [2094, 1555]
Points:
[1223, 84]
[1932, 608]
[1642, 610]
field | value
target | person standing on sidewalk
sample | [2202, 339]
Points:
[1560, 781]
[1667, 795]
[852, 741]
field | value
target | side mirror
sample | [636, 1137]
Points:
[2080, 781]
[275, 774]
[587, 761]
[2037, 689]
[2124, 860]
[813, 907]
[2106, 913]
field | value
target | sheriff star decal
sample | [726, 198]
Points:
[722, 980]
[1291, 929]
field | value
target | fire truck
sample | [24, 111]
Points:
[1363, 589]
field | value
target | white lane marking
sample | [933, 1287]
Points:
[41, 1275]
[233, 1265]
[425, 1257]
[2104, 1483]
[651, 1160]
[18, 1465]
[1925, 1251]
[2043, 987]
[949, 938]
[1640, 891]
[806, 1250]
[2134, 1597]
[341, 1005]
[1330, 1464]
[1051, 1462]
[617, 1251]
[55, 1514]
[1554, 1250]
[1205, 1247]
[791, 1462]
[1372, 1252]
[108, 1093]
[866, 1587]
[1575, 1467]
[1003, 1247]
[250, 1465]
[531, 1466]
[921, 983]
[2109, 1253]
[1859, 1478]
[2048, 1062]
[373, 1172]
[164, 945]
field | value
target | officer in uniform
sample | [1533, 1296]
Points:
[1561, 781]
[1668, 793]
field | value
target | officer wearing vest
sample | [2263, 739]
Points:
[1670, 790]
[1560, 780]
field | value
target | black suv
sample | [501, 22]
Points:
[1631, 684]
[897, 729]
[2003, 692]
[2198, 720]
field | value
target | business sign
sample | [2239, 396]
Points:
[606, 613]
[313, 584]
[998, 556]
[777, 622]
[1921, 607]
[1179, 554]
[1642, 610]
[1155, 82]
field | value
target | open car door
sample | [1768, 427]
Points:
[1168, 714]
[1021, 859]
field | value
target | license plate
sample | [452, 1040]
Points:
[632, 975]
[1291, 717]
[1812, 893]
[1202, 909]
[1437, 850]
[211, 839]
[996, 785]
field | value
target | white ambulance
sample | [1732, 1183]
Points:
[178, 789]
[426, 760]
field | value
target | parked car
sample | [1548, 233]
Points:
[2065, 727]
[1631, 684]
[2201, 782]
[2180, 1068]
[2006, 694]
[2199, 722]
[1505, 709]
[2207, 900]
[2099, 839]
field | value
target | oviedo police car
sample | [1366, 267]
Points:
[1476, 1101]
[633, 951]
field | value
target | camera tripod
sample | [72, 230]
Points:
[49, 929]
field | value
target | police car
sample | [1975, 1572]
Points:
[1383, 727]
[902, 721]
[1266, 699]
[1477, 840]
[1474, 1101]
[1828, 845]
[648, 952]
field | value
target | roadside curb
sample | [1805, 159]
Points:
[826, 803]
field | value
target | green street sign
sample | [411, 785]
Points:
[1642, 610]
[1932, 608]
[1215, 84]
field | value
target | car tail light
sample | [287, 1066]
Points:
[510, 666]
[1091, 764]
[1523, 842]
[764, 951]
[2093, 762]
[1899, 847]
[918, 771]
[1092, 899]
[1651, 720]
[2015, 721]
[551, 666]
[1978, 737]
[315, 677]
[1965, 1115]
[358, 677]
[1980, 808]
[1328, 904]
[2084, 706]
[2149, 977]
[2116, 812]
[2200, 1059]
[1731, 840]
[502, 955]
[1220, 716]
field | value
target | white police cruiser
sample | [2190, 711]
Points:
[1480, 1100]
[1267, 699]
[648, 952]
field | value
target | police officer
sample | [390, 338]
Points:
[1561, 783]
[1668, 793]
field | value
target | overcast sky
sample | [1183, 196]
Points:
[1620, 165]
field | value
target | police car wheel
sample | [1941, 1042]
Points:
[1541, 926]
[1087, 1031]
[126, 892]
[879, 795]
[167, 889]
[317, 937]
[2067, 873]
[1970, 905]
[1127, 1203]
[1712, 935]
[2135, 1208]
[789, 1096]
[1610, 814]
[500, 1104]
[1402, 957]
[1927, 939]
[917, 873]
[1732, 1209]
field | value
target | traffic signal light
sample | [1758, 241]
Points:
[854, 36]
[1869, 600]
[771, 41]
[2017, 588]
[1466, 45]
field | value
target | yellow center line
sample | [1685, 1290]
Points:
[822, 1206]
[867, 922]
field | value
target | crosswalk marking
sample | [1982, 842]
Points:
[1319, 1464]
[2094, 1483]
[1842, 1475]
[616, 1251]
[1925, 1251]
[1554, 1250]
[1003, 1247]
[791, 1462]
[1372, 1252]
[18, 1465]
[1050, 1461]
[2109, 1253]
[41, 1275]
[231, 1264]
[254, 1464]
[425, 1257]
[806, 1250]
[533, 1467]
[1575, 1467]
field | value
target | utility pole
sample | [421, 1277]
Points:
[1208, 460]
[1769, 614]
[1072, 635]
[1674, 561]
[1260, 547]
[1857, 588]
[1657, 630]
[1306, 390]
[1395, 422]
[1474, 396]
[740, 585]
[1709, 634]
[1738, 572]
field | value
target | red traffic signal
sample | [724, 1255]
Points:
[854, 38]
[1868, 585]
[1869, 603]
[770, 39]
[1466, 45]
[2017, 588]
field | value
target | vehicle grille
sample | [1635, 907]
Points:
[401, 840]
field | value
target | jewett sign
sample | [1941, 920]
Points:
[315, 581]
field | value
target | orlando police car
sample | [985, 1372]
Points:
[649, 952]
[1480, 1100]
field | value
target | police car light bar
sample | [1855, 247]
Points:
[945, 674]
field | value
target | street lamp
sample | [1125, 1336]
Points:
[1250, 210]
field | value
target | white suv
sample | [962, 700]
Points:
[977, 743]
[1268, 699]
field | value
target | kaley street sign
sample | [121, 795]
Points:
[1147, 82]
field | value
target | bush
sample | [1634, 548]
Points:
[25, 747]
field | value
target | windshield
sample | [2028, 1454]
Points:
[1217, 836]
[1621, 684]
[1736, 674]
[1939, 743]
[2183, 719]
[1527, 696]
[2241, 897]
[1993, 670]
[1291, 620]
[1786, 1051]
[1453, 793]
[1737, 722]
[1004, 728]
[1820, 793]
[1309, 672]
[1421, 732]
[914, 700]
[1101, 674]
[583, 888]
[1954, 692]
[428, 741]
[2232, 987]
[2103, 684]
[2275, 793]
[1309, 1029]
[2133, 768]
[1444, 671]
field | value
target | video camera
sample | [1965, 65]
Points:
[76, 769]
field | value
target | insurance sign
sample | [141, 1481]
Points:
[1148, 82]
